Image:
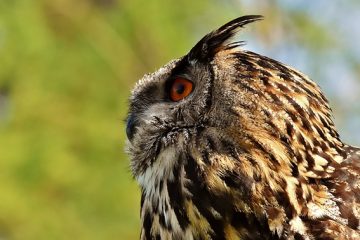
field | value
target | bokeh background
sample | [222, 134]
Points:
[66, 70]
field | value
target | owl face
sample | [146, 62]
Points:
[166, 107]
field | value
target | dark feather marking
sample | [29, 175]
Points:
[265, 81]
[248, 87]
[203, 200]
[296, 89]
[265, 64]
[319, 131]
[311, 161]
[312, 95]
[267, 152]
[285, 75]
[294, 169]
[244, 61]
[306, 124]
[147, 225]
[293, 116]
[210, 143]
[210, 146]
[163, 223]
[237, 180]
[265, 73]
[256, 229]
[300, 199]
[295, 105]
[283, 200]
[279, 134]
[177, 199]
[205, 157]
[275, 99]
[298, 236]
[142, 199]
[161, 185]
[284, 89]
[155, 205]
[230, 148]
[347, 212]
[302, 141]
[290, 129]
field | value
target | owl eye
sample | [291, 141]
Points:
[180, 88]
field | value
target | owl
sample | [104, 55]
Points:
[229, 144]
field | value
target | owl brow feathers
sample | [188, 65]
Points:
[216, 40]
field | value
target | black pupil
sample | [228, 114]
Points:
[180, 88]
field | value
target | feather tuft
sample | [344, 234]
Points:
[218, 40]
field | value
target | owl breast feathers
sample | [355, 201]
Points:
[228, 144]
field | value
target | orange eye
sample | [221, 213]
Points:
[180, 89]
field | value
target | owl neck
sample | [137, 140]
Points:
[188, 203]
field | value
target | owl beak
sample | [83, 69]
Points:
[130, 126]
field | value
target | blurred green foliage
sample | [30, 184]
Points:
[64, 174]
[66, 70]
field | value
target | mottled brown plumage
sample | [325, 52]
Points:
[250, 153]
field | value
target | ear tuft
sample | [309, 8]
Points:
[218, 40]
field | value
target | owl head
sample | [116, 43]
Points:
[221, 98]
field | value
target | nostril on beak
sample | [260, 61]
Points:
[130, 126]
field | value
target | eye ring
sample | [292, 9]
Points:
[180, 88]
